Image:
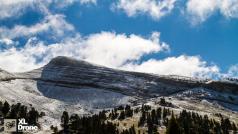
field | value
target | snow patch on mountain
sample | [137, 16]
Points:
[207, 96]
[58, 99]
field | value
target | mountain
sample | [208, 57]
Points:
[84, 88]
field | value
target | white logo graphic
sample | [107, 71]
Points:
[10, 125]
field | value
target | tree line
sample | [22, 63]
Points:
[193, 123]
[185, 122]
[18, 111]
[95, 124]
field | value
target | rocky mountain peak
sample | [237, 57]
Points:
[66, 61]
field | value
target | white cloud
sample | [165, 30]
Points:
[154, 8]
[229, 8]
[88, 1]
[181, 65]
[114, 50]
[200, 10]
[233, 71]
[35, 54]
[108, 49]
[6, 41]
[53, 24]
[15, 8]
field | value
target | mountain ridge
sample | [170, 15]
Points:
[64, 70]
[84, 88]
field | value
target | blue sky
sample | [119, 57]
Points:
[173, 34]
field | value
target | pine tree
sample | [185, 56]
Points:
[173, 126]
[154, 117]
[23, 112]
[217, 128]
[205, 125]
[234, 128]
[149, 124]
[33, 116]
[158, 114]
[162, 101]
[142, 119]
[128, 111]
[114, 114]
[6, 108]
[226, 125]
[13, 112]
[65, 121]
[1, 106]
[74, 123]
[122, 116]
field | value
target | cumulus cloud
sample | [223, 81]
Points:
[106, 48]
[34, 54]
[109, 49]
[182, 65]
[53, 24]
[114, 50]
[10, 8]
[233, 71]
[15, 8]
[6, 41]
[200, 10]
[154, 8]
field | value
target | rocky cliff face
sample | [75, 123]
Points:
[70, 73]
